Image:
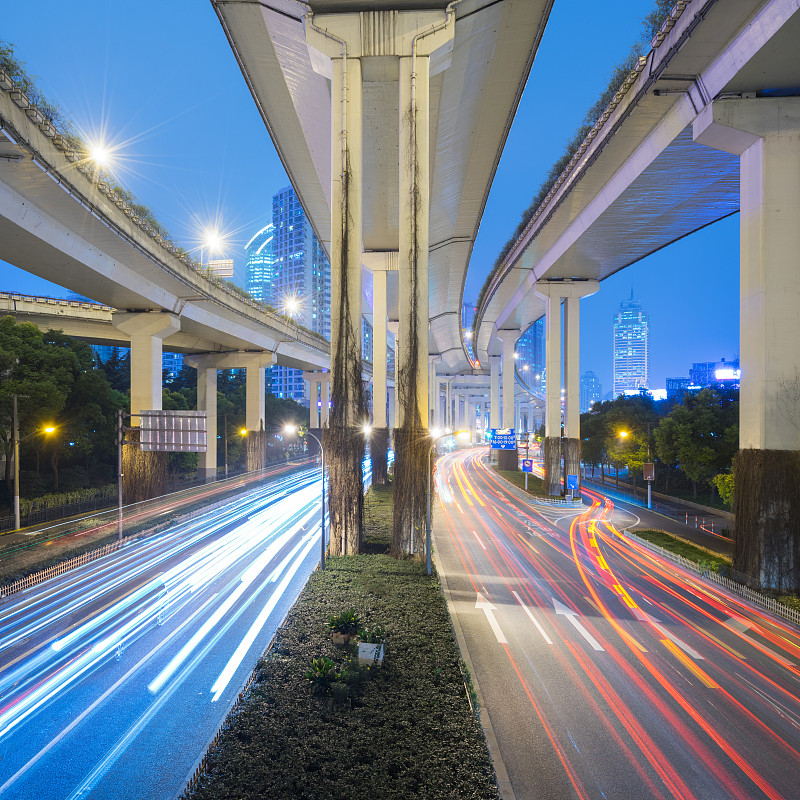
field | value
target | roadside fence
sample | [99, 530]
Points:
[730, 584]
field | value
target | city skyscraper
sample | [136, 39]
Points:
[258, 266]
[631, 347]
[530, 352]
[591, 390]
[300, 282]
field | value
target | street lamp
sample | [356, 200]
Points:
[291, 430]
[17, 440]
[463, 435]
[240, 432]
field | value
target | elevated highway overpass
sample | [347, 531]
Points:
[390, 119]
[708, 124]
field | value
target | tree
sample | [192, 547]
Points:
[701, 435]
[41, 375]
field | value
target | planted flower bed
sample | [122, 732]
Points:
[316, 724]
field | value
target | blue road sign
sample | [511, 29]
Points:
[527, 465]
[503, 439]
[572, 485]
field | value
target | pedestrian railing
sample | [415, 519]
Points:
[730, 584]
[57, 569]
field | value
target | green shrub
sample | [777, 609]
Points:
[345, 622]
[322, 675]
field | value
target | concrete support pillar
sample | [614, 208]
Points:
[413, 254]
[379, 319]
[508, 459]
[339, 37]
[765, 134]
[207, 401]
[552, 415]
[325, 399]
[394, 328]
[314, 398]
[433, 392]
[494, 392]
[147, 331]
[572, 385]
[553, 293]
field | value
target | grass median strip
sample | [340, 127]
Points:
[314, 724]
[683, 548]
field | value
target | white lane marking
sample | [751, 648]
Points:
[740, 625]
[643, 616]
[532, 618]
[479, 540]
[488, 609]
[571, 615]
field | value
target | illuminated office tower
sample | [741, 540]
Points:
[258, 266]
[631, 347]
[300, 283]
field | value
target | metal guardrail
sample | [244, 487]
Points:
[743, 591]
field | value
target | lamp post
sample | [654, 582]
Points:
[16, 439]
[293, 429]
[240, 432]
[461, 435]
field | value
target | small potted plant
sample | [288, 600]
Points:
[344, 626]
[371, 646]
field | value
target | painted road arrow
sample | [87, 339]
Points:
[488, 609]
[739, 625]
[571, 616]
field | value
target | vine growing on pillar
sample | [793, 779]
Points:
[343, 441]
[411, 441]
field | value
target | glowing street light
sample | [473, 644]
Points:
[15, 433]
[100, 154]
[464, 436]
[292, 306]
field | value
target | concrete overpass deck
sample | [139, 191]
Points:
[476, 81]
[58, 221]
[639, 181]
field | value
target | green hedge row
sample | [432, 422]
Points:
[408, 731]
[26, 506]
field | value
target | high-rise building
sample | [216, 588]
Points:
[591, 390]
[631, 347]
[300, 282]
[713, 373]
[258, 266]
[366, 341]
[530, 355]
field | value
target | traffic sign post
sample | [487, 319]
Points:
[572, 486]
[503, 439]
[527, 468]
[649, 472]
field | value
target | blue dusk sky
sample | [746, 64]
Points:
[158, 80]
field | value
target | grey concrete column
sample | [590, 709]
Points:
[207, 401]
[325, 394]
[508, 459]
[147, 331]
[494, 392]
[552, 424]
[314, 400]
[413, 253]
[765, 134]
[379, 319]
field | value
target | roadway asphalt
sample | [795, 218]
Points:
[603, 671]
[114, 677]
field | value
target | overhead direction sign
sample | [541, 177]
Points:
[503, 439]
[173, 431]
